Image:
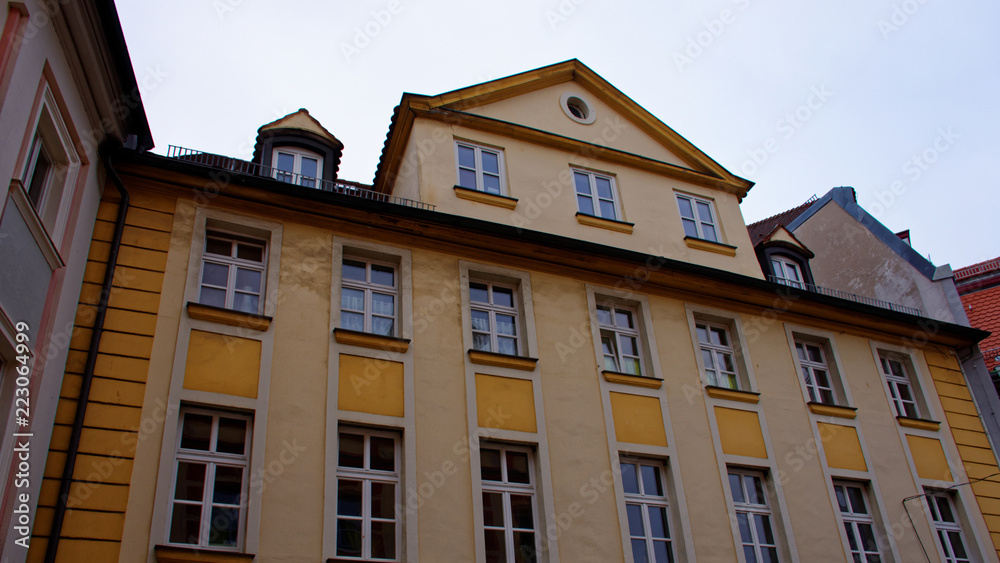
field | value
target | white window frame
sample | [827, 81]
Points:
[594, 197]
[615, 334]
[783, 267]
[949, 528]
[212, 459]
[646, 500]
[854, 521]
[480, 170]
[367, 476]
[751, 510]
[493, 309]
[369, 288]
[506, 489]
[697, 221]
[897, 384]
[718, 352]
[295, 176]
[233, 263]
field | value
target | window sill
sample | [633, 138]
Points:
[629, 379]
[367, 340]
[522, 363]
[832, 410]
[227, 316]
[484, 197]
[732, 394]
[171, 554]
[919, 423]
[716, 247]
[610, 224]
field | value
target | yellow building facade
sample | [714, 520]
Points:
[542, 334]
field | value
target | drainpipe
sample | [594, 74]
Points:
[88, 372]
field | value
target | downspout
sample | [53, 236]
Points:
[62, 503]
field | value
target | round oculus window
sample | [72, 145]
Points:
[577, 109]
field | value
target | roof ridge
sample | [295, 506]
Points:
[812, 199]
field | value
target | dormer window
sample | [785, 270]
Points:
[297, 166]
[786, 271]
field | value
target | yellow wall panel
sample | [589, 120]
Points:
[842, 447]
[370, 385]
[638, 419]
[506, 403]
[93, 525]
[740, 433]
[928, 457]
[220, 363]
[947, 375]
[935, 358]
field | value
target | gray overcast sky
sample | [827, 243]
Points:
[897, 98]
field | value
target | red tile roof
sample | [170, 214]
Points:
[761, 229]
[992, 265]
[983, 309]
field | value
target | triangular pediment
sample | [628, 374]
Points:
[781, 236]
[303, 121]
[531, 105]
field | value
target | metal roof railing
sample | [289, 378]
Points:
[238, 166]
[849, 296]
[972, 271]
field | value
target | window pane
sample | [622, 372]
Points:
[503, 297]
[743, 519]
[755, 490]
[763, 524]
[491, 183]
[686, 210]
[383, 500]
[213, 297]
[383, 304]
[608, 210]
[814, 354]
[349, 538]
[352, 299]
[493, 509]
[736, 488]
[250, 252]
[349, 497]
[352, 450]
[631, 366]
[604, 315]
[505, 325]
[185, 524]
[586, 204]
[467, 178]
[639, 554]
[246, 303]
[491, 162]
[248, 280]
[842, 499]
[383, 453]
[215, 274]
[517, 468]
[353, 270]
[769, 555]
[623, 318]
[480, 320]
[481, 342]
[708, 233]
[704, 212]
[662, 553]
[750, 554]
[489, 461]
[657, 521]
[383, 326]
[228, 485]
[496, 547]
[944, 509]
[857, 500]
[603, 188]
[582, 183]
[630, 482]
[507, 346]
[384, 540]
[190, 481]
[310, 167]
[651, 481]
[524, 547]
[957, 546]
[352, 321]
[220, 246]
[479, 293]
[690, 228]
[383, 275]
[225, 526]
[868, 537]
[629, 346]
[635, 524]
[197, 432]
[466, 156]
[286, 162]
[520, 512]
[852, 539]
